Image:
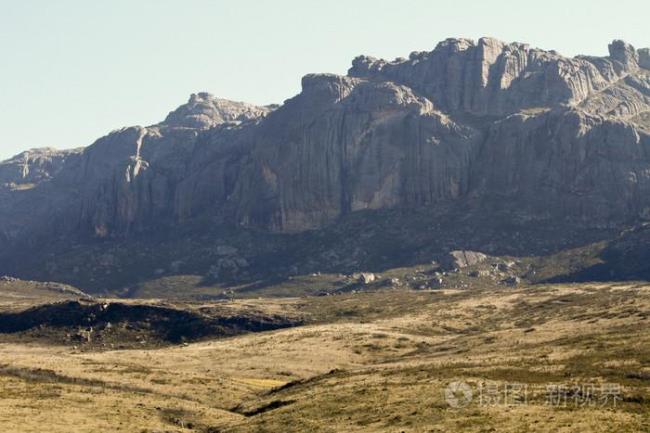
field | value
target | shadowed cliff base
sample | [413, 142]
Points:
[208, 259]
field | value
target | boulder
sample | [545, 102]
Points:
[511, 281]
[364, 277]
[461, 259]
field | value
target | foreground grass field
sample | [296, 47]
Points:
[556, 358]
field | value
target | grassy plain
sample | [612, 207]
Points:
[363, 362]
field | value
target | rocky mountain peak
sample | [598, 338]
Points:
[624, 53]
[33, 166]
[204, 111]
[455, 45]
[492, 77]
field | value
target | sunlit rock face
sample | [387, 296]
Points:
[492, 78]
[484, 124]
[204, 111]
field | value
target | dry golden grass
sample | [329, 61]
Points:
[367, 362]
[20, 294]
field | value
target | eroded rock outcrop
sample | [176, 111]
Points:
[33, 166]
[493, 78]
[484, 125]
[462, 259]
[204, 111]
[644, 58]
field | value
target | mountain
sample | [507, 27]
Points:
[495, 147]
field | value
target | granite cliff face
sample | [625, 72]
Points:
[491, 78]
[481, 126]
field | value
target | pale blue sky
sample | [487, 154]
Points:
[72, 70]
